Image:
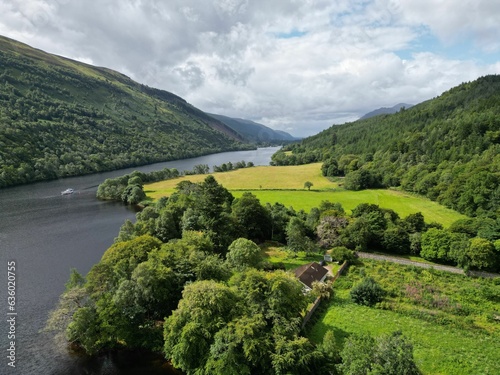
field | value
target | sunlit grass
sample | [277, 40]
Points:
[455, 334]
[276, 254]
[285, 184]
[255, 178]
[402, 203]
[437, 349]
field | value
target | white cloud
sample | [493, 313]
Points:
[233, 57]
[454, 20]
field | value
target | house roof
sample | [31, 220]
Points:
[309, 273]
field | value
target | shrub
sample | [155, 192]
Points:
[367, 293]
[342, 254]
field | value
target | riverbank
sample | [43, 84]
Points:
[48, 234]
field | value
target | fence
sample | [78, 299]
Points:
[318, 300]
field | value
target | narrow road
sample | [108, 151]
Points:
[425, 265]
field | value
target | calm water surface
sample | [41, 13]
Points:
[47, 234]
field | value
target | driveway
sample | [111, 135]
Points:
[407, 262]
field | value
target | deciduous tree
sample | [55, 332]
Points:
[243, 253]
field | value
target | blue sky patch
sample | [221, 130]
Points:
[459, 49]
[292, 34]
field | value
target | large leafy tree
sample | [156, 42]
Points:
[296, 236]
[280, 216]
[253, 219]
[330, 229]
[243, 253]
[190, 331]
[249, 327]
[436, 244]
[481, 254]
[213, 207]
[396, 240]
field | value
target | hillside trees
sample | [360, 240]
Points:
[63, 118]
[446, 148]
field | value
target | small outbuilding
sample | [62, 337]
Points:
[309, 273]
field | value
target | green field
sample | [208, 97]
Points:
[285, 184]
[452, 320]
[254, 178]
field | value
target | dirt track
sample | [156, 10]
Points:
[424, 265]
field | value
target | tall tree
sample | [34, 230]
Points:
[296, 236]
[254, 220]
[243, 253]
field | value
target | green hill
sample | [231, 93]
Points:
[60, 117]
[447, 148]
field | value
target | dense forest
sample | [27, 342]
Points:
[60, 117]
[188, 280]
[447, 148]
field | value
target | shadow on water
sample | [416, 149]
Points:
[123, 362]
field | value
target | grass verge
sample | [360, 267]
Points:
[453, 321]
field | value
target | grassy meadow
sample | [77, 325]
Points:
[452, 320]
[285, 184]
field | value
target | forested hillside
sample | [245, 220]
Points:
[446, 148]
[60, 117]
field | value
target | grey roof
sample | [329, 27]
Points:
[308, 273]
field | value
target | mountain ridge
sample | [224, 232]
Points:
[386, 110]
[254, 132]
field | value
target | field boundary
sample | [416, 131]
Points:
[439, 267]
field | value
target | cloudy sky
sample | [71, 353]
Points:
[294, 65]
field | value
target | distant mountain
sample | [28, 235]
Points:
[386, 111]
[254, 132]
[60, 117]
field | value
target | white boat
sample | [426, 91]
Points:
[67, 192]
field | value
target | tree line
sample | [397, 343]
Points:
[187, 279]
[129, 188]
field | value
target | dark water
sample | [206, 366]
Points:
[46, 235]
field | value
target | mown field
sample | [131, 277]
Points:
[285, 184]
[453, 321]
